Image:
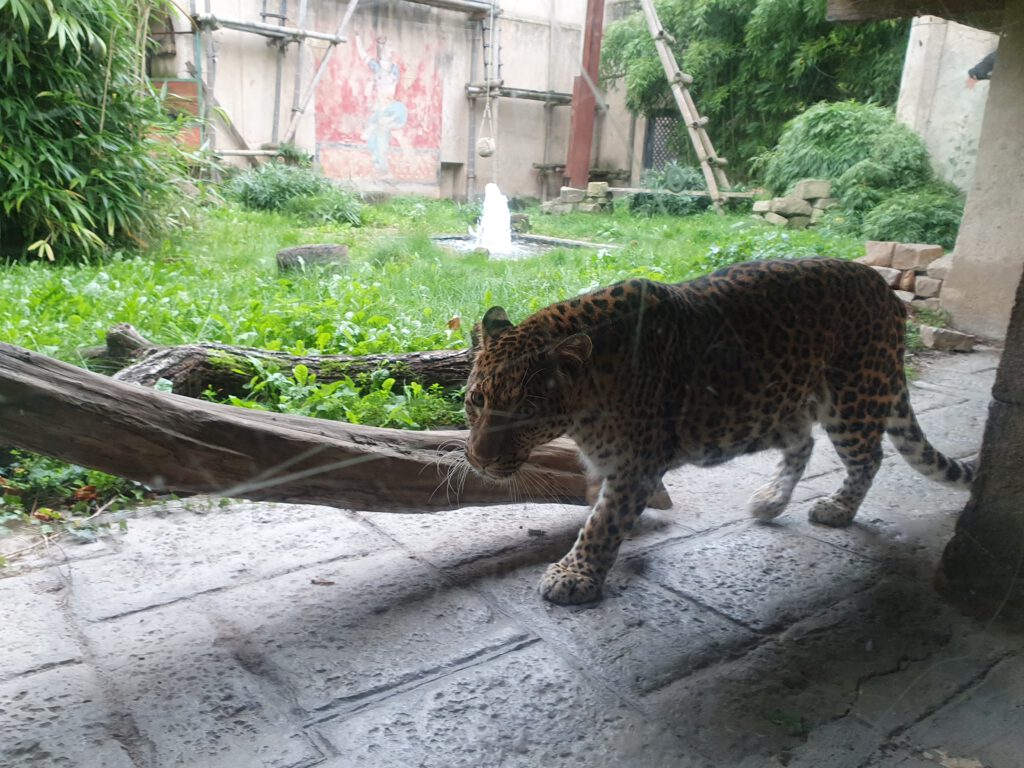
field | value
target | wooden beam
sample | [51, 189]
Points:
[175, 443]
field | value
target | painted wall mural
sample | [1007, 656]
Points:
[378, 110]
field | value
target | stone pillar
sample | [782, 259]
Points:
[983, 564]
[989, 253]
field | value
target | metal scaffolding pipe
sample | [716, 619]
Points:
[268, 30]
[339, 38]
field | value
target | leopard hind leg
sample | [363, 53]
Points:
[796, 443]
[857, 437]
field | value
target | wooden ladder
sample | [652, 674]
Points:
[710, 163]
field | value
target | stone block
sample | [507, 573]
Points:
[939, 269]
[916, 256]
[593, 207]
[932, 305]
[824, 203]
[571, 195]
[798, 222]
[812, 189]
[776, 219]
[877, 253]
[791, 206]
[817, 215]
[906, 281]
[557, 207]
[302, 256]
[946, 339]
[598, 189]
[905, 296]
[762, 206]
[927, 287]
[891, 276]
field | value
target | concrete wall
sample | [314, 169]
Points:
[391, 112]
[988, 258]
[936, 99]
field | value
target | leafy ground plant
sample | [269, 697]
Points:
[372, 399]
[47, 497]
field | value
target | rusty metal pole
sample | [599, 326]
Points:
[584, 104]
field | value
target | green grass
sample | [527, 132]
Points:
[219, 281]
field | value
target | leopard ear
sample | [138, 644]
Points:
[574, 349]
[494, 324]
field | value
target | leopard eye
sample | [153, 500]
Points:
[476, 399]
[527, 410]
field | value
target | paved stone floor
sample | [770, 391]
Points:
[240, 634]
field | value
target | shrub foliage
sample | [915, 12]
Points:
[84, 158]
[880, 171]
[295, 190]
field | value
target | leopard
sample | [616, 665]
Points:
[647, 376]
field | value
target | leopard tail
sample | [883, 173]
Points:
[906, 435]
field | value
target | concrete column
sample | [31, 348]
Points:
[984, 562]
[989, 253]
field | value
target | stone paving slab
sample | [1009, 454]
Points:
[528, 708]
[59, 718]
[762, 576]
[817, 675]
[337, 635]
[193, 699]
[639, 638]
[199, 545]
[35, 632]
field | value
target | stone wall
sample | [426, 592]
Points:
[916, 272]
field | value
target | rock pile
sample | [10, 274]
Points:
[916, 271]
[804, 206]
[596, 198]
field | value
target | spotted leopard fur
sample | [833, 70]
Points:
[646, 376]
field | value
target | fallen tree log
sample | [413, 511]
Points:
[192, 368]
[175, 443]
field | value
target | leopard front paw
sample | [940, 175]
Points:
[767, 503]
[565, 587]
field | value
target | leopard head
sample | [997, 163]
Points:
[520, 392]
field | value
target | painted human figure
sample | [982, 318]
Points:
[388, 115]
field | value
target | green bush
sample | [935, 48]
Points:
[829, 139]
[928, 215]
[87, 159]
[880, 171]
[294, 190]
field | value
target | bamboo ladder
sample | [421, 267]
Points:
[710, 163]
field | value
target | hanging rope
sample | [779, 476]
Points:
[486, 144]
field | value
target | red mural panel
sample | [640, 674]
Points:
[378, 111]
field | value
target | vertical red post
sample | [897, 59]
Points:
[581, 125]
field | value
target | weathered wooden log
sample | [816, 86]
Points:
[177, 443]
[192, 368]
